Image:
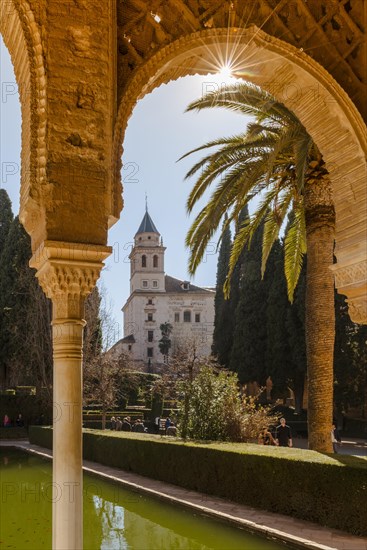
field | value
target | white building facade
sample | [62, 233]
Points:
[156, 298]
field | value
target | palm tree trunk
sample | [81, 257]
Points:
[320, 313]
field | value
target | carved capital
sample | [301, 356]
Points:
[357, 309]
[351, 280]
[67, 273]
[67, 286]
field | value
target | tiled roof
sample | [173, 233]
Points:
[175, 285]
[147, 225]
[130, 339]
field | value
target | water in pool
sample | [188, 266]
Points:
[114, 518]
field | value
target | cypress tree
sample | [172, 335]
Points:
[92, 337]
[237, 272]
[6, 218]
[350, 361]
[295, 326]
[223, 320]
[278, 353]
[25, 347]
[248, 356]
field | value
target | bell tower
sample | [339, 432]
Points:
[147, 258]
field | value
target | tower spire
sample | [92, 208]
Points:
[146, 202]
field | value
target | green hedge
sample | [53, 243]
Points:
[327, 489]
[13, 433]
[40, 435]
[30, 406]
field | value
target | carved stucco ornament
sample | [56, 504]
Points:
[351, 281]
[357, 309]
[67, 273]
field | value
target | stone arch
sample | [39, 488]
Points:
[23, 40]
[310, 91]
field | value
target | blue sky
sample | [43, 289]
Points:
[159, 132]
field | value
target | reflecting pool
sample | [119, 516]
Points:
[114, 518]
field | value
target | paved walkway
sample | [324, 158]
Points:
[299, 533]
[350, 446]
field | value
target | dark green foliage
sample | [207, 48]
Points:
[136, 385]
[302, 484]
[31, 407]
[42, 436]
[235, 285]
[13, 433]
[350, 361]
[225, 309]
[286, 345]
[295, 327]
[6, 217]
[278, 354]
[25, 316]
[248, 356]
[223, 320]
[92, 338]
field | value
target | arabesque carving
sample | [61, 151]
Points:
[351, 274]
[68, 286]
[68, 272]
[357, 309]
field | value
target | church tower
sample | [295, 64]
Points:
[157, 298]
[147, 259]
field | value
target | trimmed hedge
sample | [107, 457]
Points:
[327, 489]
[13, 433]
[30, 406]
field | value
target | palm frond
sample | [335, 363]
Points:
[247, 99]
[245, 234]
[301, 156]
[270, 158]
[272, 227]
[294, 249]
[215, 143]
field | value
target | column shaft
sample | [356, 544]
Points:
[67, 273]
[67, 436]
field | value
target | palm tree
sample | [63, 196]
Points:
[275, 159]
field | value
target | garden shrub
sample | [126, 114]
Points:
[327, 489]
[212, 409]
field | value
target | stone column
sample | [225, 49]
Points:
[67, 273]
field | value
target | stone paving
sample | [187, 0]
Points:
[298, 533]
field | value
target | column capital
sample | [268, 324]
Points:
[357, 309]
[350, 279]
[67, 273]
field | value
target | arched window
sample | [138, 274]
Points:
[155, 261]
[144, 261]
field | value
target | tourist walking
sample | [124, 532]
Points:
[113, 423]
[283, 435]
[335, 438]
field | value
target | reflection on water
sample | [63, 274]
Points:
[114, 518]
